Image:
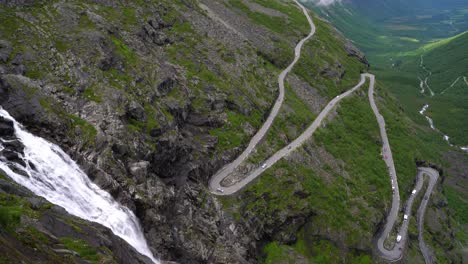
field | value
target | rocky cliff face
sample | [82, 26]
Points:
[152, 97]
[35, 231]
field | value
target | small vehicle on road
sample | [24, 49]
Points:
[405, 217]
[220, 190]
[413, 192]
[264, 165]
[398, 238]
[289, 147]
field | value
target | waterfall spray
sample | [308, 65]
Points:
[49, 172]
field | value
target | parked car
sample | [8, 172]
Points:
[398, 239]
[264, 165]
[405, 217]
[220, 190]
[413, 192]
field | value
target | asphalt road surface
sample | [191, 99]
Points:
[229, 168]
[433, 176]
[396, 252]
[215, 183]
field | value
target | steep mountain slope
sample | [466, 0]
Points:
[401, 32]
[381, 27]
[35, 231]
[394, 43]
[152, 97]
[444, 64]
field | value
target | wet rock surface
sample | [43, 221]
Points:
[6, 127]
[40, 233]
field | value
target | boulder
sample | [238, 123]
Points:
[354, 52]
[6, 127]
[12, 156]
[136, 111]
[37, 202]
[5, 50]
[139, 170]
[167, 86]
[14, 145]
[153, 32]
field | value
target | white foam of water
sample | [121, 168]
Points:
[422, 111]
[56, 177]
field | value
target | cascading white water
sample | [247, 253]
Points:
[431, 123]
[423, 110]
[53, 175]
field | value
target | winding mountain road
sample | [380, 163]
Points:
[215, 182]
[228, 169]
[433, 176]
[396, 252]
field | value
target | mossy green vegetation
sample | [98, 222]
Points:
[90, 93]
[336, 201]
[295, 116]
[292, 20]
[87, 131]
[11, 209]
[10, 216]
[81, 247]
[323, 252]
[340, 201]
[448, 106]
[123, 50]
[26, 237]
[326, 51]
[233, 135]
[457, 203]
[396, 47]
[396, 60]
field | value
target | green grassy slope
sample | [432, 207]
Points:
[448, 61]
[27, 235]
[394, 44]
[400, 32]
[319, 211]
[343, 204]
[395, 25]
[302, 208]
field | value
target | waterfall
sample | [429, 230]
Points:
[423, 110]
[49, 172]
